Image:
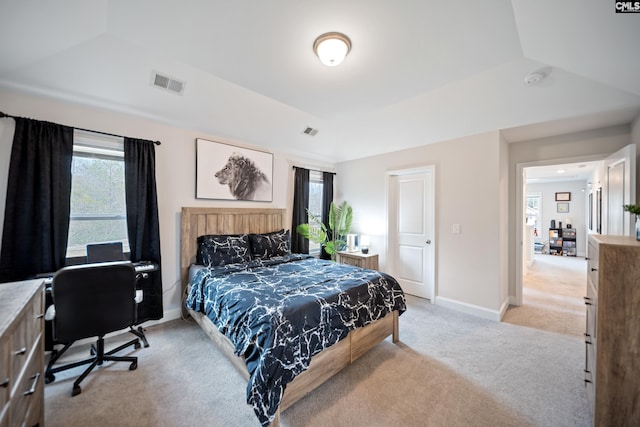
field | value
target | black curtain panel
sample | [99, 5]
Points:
[142, 221]
[36, 220]
[300, 204]
[327, 198]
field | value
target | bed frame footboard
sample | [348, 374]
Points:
[323, 365]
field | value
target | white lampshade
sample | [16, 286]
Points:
[364, 240]
[332, 48]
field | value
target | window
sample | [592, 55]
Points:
[315, 205]
[533, 213]
[98, 207]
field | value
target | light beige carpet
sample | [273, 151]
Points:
[553, 291]
[450, 369]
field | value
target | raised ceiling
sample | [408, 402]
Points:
[419, 71]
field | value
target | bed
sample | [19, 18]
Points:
[308, 357]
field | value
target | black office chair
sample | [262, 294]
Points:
[112, 251]
[92, 300]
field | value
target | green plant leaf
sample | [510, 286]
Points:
[331, 238]
[314, 234]
[330, 248]
[634, 209]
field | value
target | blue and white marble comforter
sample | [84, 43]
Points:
[280, 312]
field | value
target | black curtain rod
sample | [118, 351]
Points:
[3, 115]
[317, 170]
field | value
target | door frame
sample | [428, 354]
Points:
[391, 256]
[520, 200]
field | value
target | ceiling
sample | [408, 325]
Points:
[419, 71]
[580, 171]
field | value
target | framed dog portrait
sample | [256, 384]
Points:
[227, 172]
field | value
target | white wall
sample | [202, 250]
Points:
[470, 179]
[468, 176]
[175, 169]
[577, 210]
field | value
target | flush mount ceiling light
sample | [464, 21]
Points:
[332, 48]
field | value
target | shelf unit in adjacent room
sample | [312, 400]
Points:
[569, 241]
[555, 241]
[562, 241]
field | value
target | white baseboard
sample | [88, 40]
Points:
[168, 315]
[504, 307]
[475, 310]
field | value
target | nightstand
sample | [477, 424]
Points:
[359, 259]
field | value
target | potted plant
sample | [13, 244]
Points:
[635, 209]
[332, 238]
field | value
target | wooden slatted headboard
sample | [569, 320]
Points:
[198, 221]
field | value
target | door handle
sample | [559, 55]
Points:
[428, 242]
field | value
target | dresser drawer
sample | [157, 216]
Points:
[5, 372]
[28, 328]
[4, 417]
[592, 264]
[29, 391]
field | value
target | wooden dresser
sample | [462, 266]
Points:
[612, 371]
[359, 259]
[22, 354]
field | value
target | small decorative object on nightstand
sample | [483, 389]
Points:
[364, 244]
[359, 259]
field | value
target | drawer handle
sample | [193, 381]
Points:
[40, 316]
[32, 390]
[594, 269]
[20, 352]
[5, 383]
[587, 335]
[587, 342]
[587, 303]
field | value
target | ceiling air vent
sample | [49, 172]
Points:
[310, 131]
[167, 83]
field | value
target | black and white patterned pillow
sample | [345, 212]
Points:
[215, 250]
[268, 245]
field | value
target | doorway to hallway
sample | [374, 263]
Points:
[552, 295]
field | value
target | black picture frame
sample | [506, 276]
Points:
[591, 211]
[599, 210]
[228, 172]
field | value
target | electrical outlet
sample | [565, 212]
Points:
[456, 229]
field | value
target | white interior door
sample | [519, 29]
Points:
[411, 218]
[620, 176]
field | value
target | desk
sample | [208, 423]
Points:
[141, 267]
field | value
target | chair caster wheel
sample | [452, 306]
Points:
[49, 378]
[76, 390]
[133, 366]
